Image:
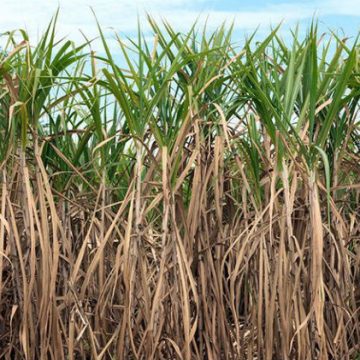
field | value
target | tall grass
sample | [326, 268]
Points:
[192, 200]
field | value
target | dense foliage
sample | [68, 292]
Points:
[186, 200]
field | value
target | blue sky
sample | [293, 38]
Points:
[121, 15]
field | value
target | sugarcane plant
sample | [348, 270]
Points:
[189, 198]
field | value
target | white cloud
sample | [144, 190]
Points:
[121, 15]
